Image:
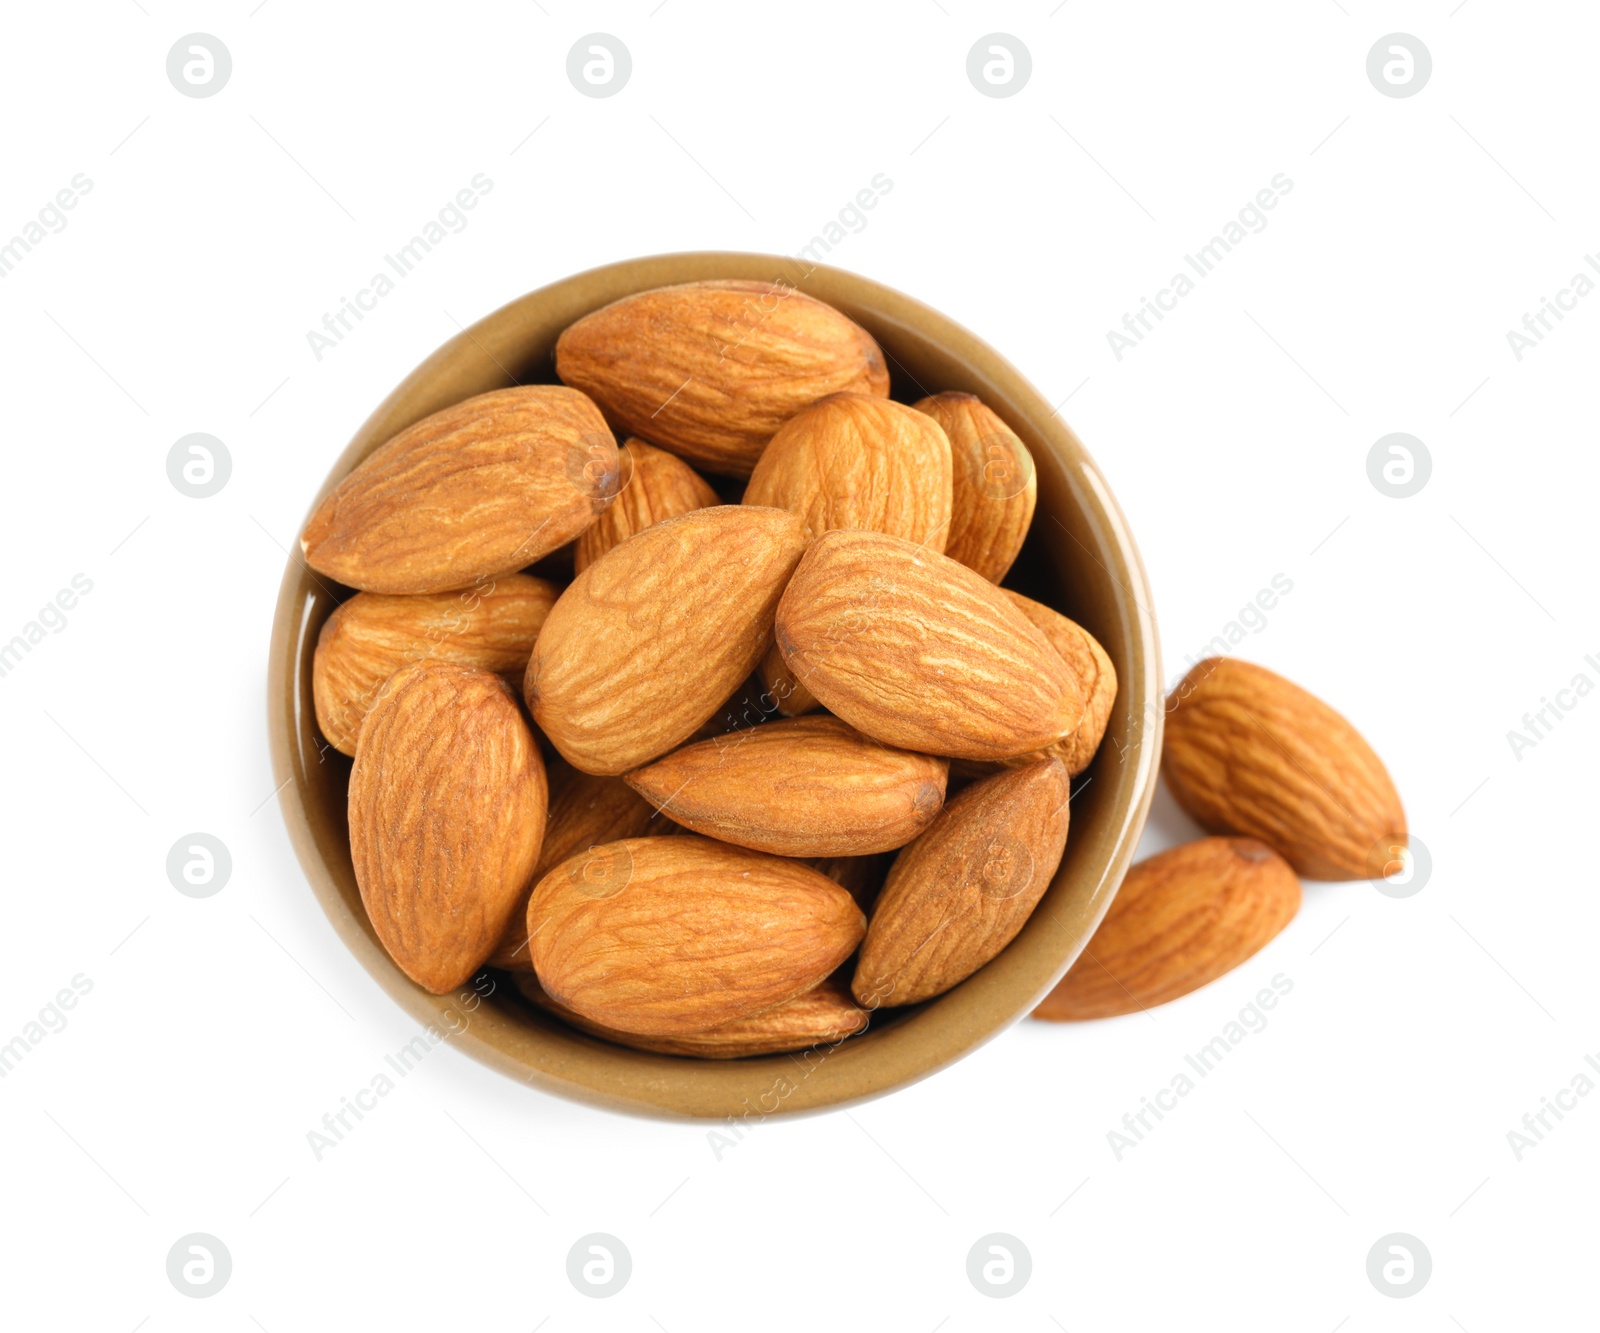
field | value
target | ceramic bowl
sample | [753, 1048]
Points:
[1079, 558]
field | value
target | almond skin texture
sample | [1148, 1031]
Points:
[585, 812]
[648, 641]
[747, 707]
[862, 875]
[709, 370]
[1251, 753]
[373, 635]
[855, 461]
[960, 893]
[824, 1016]
[665, 936]
[1091, 664]
[1180, 920]
[811, 786]
[477, 490]
[778, 683]
[655, 485]
[994, 484]
[920, 652]
[447, 813]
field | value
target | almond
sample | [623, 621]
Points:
[477, 490]
[648, 641]
[960, 893]
[585, 811]
[1249, 752]
[788, 695]
[1181, 919]
[810, 786]
[1092, 666]
[366, 640]
[920, 652]
[855, 461]
[994, 485]
[655, 485]
[824, 1016]
[663, 936]
[447, 812]
[862, 875]
[748, 706]
[709, 370]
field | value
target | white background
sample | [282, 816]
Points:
[219, 1031]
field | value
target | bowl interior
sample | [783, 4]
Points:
[1079, 559]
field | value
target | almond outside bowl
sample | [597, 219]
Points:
[1079, 558]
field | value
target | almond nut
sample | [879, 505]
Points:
[474, 491]
[779, 684]
[447, 812]
[855, 461]
[370, 637]
[709, 370]
[655, 485]
[920, 652]
[823, 1016]
[862, 875]
[1082, 652]
[960, 893]
[994, 486]
[1180, 920]
[1251, 753]
[665, 936]
[810, 786]
[647, 642]
[585, 811]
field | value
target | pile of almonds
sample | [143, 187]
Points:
[1294, 790]
[666, 730]
[723, 738]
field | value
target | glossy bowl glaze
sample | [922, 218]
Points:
[1079, 558]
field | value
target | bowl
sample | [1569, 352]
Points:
[1079, 558]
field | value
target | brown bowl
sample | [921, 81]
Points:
[1079, 559]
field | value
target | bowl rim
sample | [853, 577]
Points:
[535, 1049]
